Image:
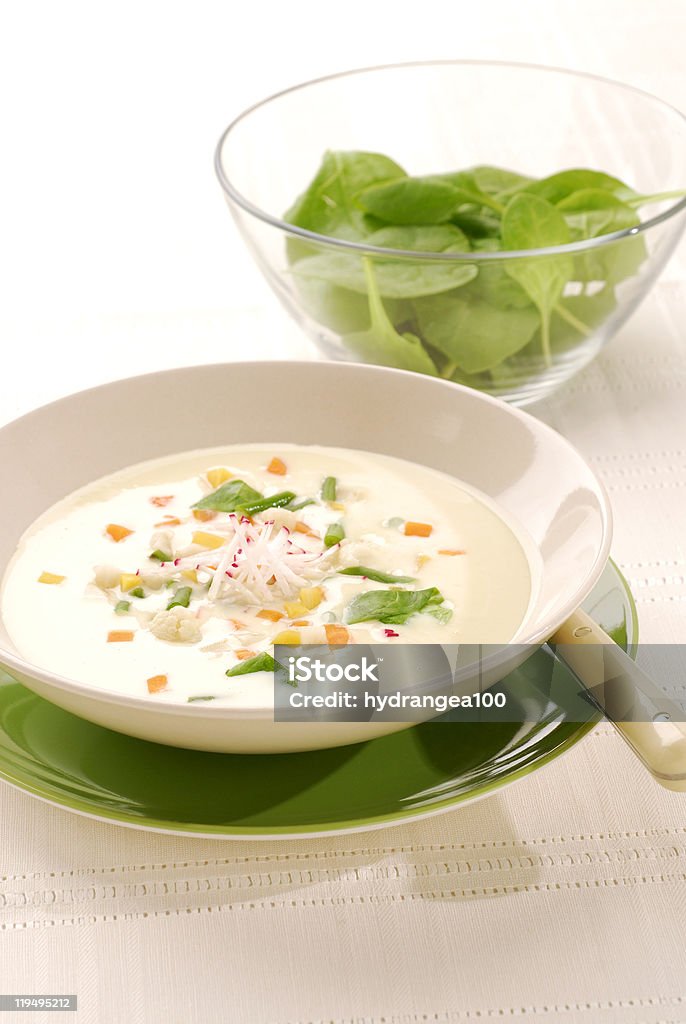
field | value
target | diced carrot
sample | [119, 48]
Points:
[157, 683]
[300, 622]
[450, 551]
[271, 581]
[119, 636]
[208, 540]
[159, 501]
[117, 532]
[418, 529]
[204, 514]
[301, 527]
[288, 637]
[243, 653]
[218, 476]
[237, 624]
[50, 577]
[271, 614]
[336, 634]
[129, 580]
[168, 521]
[277, 466]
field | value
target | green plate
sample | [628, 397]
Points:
[425, 770]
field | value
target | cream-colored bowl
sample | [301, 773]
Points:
[533, 474]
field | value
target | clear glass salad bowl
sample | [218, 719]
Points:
[478, 272]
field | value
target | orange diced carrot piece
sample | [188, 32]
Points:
[418, 529]
[119, 636]
[157, 683]
[450, 551]
[50, 577]
[300, 622]
[271, 614]
[237, 624]
[204, 514]
[159, 501]
[336, 634]
[168, 521]
[277, 466]
[117, 532]
[243, 653]
[271, 581]
[304, 528]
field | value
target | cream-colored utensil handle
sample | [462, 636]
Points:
[649, 722]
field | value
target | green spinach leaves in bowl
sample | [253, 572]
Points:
[461, 274]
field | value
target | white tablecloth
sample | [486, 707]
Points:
[563, 896]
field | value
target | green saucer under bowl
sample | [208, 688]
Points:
[420, 771]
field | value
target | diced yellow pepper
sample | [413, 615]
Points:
[295, 609]
[129, 580]
[311, 597]
[50, 577]
[190, 574]
[337, 505]
[287, 636]
[217, 477]
[422, 560]
[208, 540]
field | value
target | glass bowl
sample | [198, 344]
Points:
[516, 322]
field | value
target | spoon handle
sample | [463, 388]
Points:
[649, 721]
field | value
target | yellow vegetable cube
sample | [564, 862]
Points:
[208, 540]
[287, 636]
[129, 580]
[50, 577]
[217, 477]
[311, 596]
[295, 609]
[190, 575]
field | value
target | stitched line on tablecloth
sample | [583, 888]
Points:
[618, 385]
[327, 875]
[639, 582]
[373, 899]
[447, 1016]
[652, 485]
[633, 471]
[316, 855]
[672, 453]
[659, 598]
[658, 564]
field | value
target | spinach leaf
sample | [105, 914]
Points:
[338, 308]
[281, 500]
[498, 181]
[564, 183]
[477, 223]
[401, 277]
[473, 334]
[374, 574]
[530, 222]
[232, 495]
[591, 213]
[328, 205]
[260, 663]
[493, 284]
[411, 201]
[381, 343]
[655, 197]
[393, 607]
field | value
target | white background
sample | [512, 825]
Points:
[117, 253]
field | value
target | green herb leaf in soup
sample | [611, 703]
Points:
[530, 222]
[281, 500]
[374, 574]
[328, 206]
[232, 495]
[393, 607]
[381, 343]
[260, 663]
[473, 334]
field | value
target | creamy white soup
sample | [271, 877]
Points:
[176, 577]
